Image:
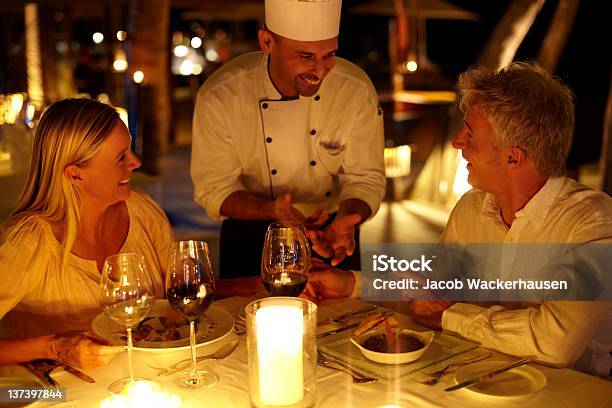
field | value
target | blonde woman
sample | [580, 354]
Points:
[77, 208]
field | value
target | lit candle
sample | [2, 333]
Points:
[142, 394]
[279, 347]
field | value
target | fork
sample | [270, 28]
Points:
[437, 375]
[340, 366]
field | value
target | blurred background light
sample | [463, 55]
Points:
[97, 37]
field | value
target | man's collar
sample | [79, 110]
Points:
[539, 205]
[537, 208]
[269, 90]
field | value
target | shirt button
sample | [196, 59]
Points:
[313, 163]
[273, 171]
[264, 105]
[328, 194]
[313, 132]
[316, 98]
[269, 139]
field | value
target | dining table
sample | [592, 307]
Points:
[564, 387]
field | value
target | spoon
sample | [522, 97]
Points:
[223, 352]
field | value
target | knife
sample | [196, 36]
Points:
[487, 376]
[338, 330]
[350, 315]
[42, 368]
[79, 374]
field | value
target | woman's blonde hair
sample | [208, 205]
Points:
[70, 132]
[527, 108]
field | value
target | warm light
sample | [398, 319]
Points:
[104, 98]
[142, 394]
[196, 42]
[186, 68]
[181, 51]
[10, 106]
[212, 55]
[197, 69]
[138, 76]
[97, 37]
[279, 347]
[461, 185]
[123, 115]
[121, 35]
[120, 65]
[397, 161]
[30, 112]
[411, 66]
[5, 161]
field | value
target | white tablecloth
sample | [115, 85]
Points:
[565, 388]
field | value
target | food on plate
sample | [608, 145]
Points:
[168, 326]
[397, 343]
[374, 321]
[387, 341]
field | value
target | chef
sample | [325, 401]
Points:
[289, 133]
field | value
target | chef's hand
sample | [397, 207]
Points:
[337, 239]
[326, 282]
[429, 312]
[82, 349]
[284, 211]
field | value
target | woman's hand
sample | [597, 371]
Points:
[82, 349]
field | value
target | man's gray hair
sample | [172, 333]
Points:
[527, 108]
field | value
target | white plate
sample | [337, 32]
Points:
[515, 383]
[19, 382]
[214, 325]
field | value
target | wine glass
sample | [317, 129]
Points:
[128, 295]
[286, 259]
[190, 289]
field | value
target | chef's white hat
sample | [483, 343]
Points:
[304, 20]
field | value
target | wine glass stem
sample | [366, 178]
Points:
[130, 362]
[192, 342]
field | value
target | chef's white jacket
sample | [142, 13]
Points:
[322, 149]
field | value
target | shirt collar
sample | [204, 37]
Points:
[539, 205]
[536, 209]
[269, 91]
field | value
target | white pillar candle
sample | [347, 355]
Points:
[279, 347]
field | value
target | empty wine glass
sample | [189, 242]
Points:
[286, 259]
[127, 296]
[190, 289]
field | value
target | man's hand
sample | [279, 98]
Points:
[337, 239]
[284, 211]
[326, 282]
[82, 349]
[429, 312]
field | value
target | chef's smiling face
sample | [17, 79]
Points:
[298, 67]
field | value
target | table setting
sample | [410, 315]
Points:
[564, 387]
[277, 350]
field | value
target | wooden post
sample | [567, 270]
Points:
[606, 147]
[509, 33]
[33, 58]
[557, 35]
[149, 51]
